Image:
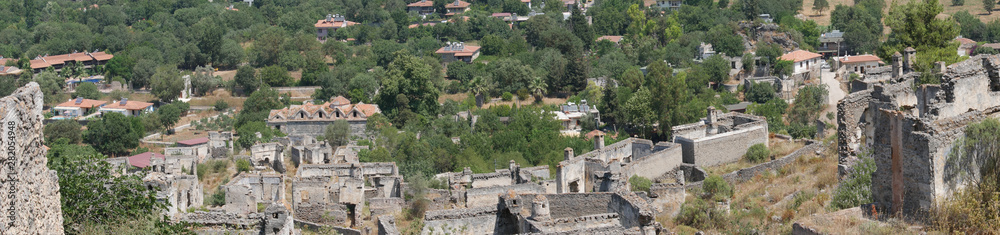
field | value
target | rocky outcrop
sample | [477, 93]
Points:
[29, 193]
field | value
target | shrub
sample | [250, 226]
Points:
[757, 153]
[507, 96]
[957, 2]
[639, 183]
[221, 105]
[218, 198]
[855, 190]
[717, 188]
[242, 165]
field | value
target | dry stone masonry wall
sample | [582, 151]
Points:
[29, 191]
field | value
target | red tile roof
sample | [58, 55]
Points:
[142, 160]
[424, 24]
[860, 59]
[502, 14]
[129, 105]
[85, 103]
[799, 55]
[965, 41]
[422, 3]
[457, 4]
[47, 61]
[191, 142]
[614, 39]
[340, 100]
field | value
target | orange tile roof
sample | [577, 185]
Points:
[799, 55]
[340, 100]
[333, 24]
[458, 4]
[965, 41]
[422, 3]
[614, 39]
[424, 24]
[85, 103]
[860, 59]
[129, 105]
[368, 109]
[46, 61]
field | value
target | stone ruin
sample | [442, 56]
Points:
[179, 191]
[720, 138]
[620, 213]
[268, 155]
[310, 151]
[245, 191]
[910, 130]
[30, 202]
[335, 194]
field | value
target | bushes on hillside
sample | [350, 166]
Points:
[757, 153]
[717, 188]
[856, 189]
[639, 183]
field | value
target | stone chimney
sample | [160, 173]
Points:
[540, 208]
[599, 140]
[909, 57]
[897, 64]
[568, 153]
[513, 166]
[712, 116]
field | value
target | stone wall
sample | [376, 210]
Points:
[480, 220]
[494, 179]
[722, 148]
[31, 204]
[578, 204]
[317, 128]
[666, 158]
[479, 197]
[387, 225]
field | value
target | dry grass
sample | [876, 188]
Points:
[212, 181]
[220, 94]
[974, 7]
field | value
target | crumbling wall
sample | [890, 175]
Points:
[29, 194]
[387, 225]
[494, 179]
[480, 220]
[317, 128]
[369, 169]
[576, 224]
[478, 197]
[578, 204]
[570, 176]
[668, 158]
[722, 148]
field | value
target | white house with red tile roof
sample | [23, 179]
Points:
[803, 61]
[663, 4]
[965, 46]
[456, 7]
[860, 63]
[330, 25]
[129, 108]
[77, 107]
[311, 119]
[422, 7]
[458, 51]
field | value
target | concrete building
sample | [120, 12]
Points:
[911, 132]
[571, 113]
[128, 108]
[457, 51]
[456, 7]
[720, 138]
[804, 62]
[831, 44]
[422, 7]
[311, 119]
[330, 25]
[860, 63]
[76, 108]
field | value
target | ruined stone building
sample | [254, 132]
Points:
[311, 119]
[270, 155]
[334, 194]
[216, 145]
[573, 213]
[310, 151]
[246, 190]
[173, 176]
[910, 130]
[607, 168]
[720, 138]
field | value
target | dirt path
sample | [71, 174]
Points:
[835, 93]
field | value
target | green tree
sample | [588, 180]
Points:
[247, 79]
[510, 75]
[92, 194]
[409, 76]
[538, 88]
[248, 134]
[717, 188]
[639, 183]
[167, 83]
[821, 5]
[578, 24]
[783, 68]
[988, 5]
[337, 133]
[52, 87]
[275, 76]
[203, 80]
[809, 102]
[169, 115]
[68, 129]
[87, 90]
[725, 40]
[760, 93]
[637, 111]
[915, 24]
[856, 188]
[717, 69]
[114, 133]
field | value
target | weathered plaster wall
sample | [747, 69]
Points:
[480, 220]
[480, 197]
[722, 148]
